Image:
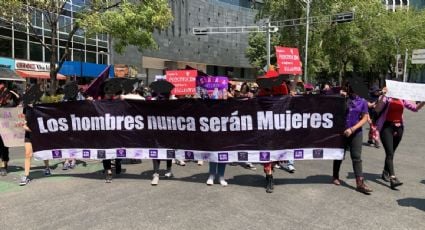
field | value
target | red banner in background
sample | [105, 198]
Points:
[184, 81]
[288, 60]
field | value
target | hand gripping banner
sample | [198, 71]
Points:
[256, 130]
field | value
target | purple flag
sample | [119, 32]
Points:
[94, 89]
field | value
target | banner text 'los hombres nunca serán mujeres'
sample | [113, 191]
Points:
[257, 130]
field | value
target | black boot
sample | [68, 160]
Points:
[270, 183]
[394, 182]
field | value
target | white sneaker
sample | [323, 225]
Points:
[200, 163]
[223, 182]
[291, 168]
[181, 163]
[168, 174]
[210, 180]
[155, 179]
[250, 166]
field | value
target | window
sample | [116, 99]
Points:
[5, 47]
[5, 32]
[21, 49]
[62, 52]
[91, 57]
[103, 58]
[36, 18]
[78, 55]
[47, 55]
[36, 52]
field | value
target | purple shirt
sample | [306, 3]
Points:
[356, 108]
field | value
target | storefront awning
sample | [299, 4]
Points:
[9, 75]
[38, 74]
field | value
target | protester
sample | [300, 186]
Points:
[25, 179]
[357, 115]
[391, 127]
[279, 90]
[4, 158]
[373, 130]
[217, 169]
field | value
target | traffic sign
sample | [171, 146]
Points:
[418, 56]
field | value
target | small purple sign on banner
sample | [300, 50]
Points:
[298, 154]
[264, 156]
[86, 153]
[317, 153]
[188, 155]
[223, 156]
[242, 156]
[121, 153]
[56, 154]
[171, 154]
[153, 153]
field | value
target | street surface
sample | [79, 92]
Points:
[79, 198]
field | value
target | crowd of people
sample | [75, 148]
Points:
[384, 115]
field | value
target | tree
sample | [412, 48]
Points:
[127, 22]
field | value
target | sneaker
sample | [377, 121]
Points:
[200, 163]
[210, 180]
[181, 163]
[250, 166]
[394, 182]
[47, 172]
[24, 181]
[370, 143]
[291, 168]
[278, 165]
[72, 165]
[66, 166]
[108, 178]
[385, 176]
[223, 182]
[169, 174]
[155, 179]
[377, 145]
[3, 172]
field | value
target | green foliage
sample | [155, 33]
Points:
[367, 44]
[128, 22]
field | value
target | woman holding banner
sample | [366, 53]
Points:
[356, 117]
[391, 128]
[25, 179]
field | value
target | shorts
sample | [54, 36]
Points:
[27, 137]
[4, 151]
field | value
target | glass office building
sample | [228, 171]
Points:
[18, 41]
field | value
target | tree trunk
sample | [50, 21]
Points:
[53, 58]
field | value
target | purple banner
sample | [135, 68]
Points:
[212, 82]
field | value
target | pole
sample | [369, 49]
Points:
[268, 43]
[405, 67]
[81, 62]
[306, 42]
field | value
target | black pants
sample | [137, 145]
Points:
[390, 137]
[354, 144]
[4, 151]
[107, 165]
[156, 164]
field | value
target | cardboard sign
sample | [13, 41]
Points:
[184, 81]
[11, 122]
[405, 90]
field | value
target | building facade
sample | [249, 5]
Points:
[16, 41]
[396, 4]
[214, 54]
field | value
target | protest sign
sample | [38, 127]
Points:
[405, 90]
[11, 122]
[288, 60]
[256, 130]
[184, 81]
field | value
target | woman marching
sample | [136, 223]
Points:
[391, 127]
[356, 117]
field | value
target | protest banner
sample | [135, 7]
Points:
[405, 90]
[288, 60]
[256, 130]
[11, 122]
[184, 81]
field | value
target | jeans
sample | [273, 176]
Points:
[217, 168]
[354, 144]
[391, 136]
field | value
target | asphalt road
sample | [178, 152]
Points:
[79, 199]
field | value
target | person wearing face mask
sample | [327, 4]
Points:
[356, 117]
